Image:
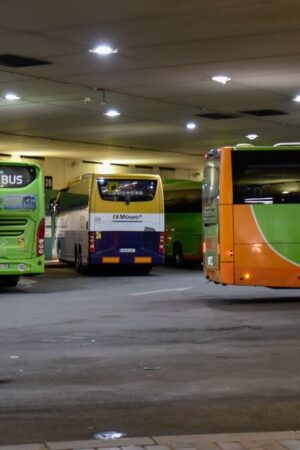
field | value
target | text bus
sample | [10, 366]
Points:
[22, 224]
[251, 215]
[111, 219]
[183, 221]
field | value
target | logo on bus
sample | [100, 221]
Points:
[127, 218]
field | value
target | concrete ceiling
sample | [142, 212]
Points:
[168, 50]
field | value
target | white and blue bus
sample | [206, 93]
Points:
[111, 220]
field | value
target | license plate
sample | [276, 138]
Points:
[127, 250]
[4, 266]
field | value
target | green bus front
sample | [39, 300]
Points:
[183, 221]
[22, 223]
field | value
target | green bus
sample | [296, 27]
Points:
[183, 221]
[22, 223]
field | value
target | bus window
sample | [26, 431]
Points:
[193, 200]
[257, 178]
[174, 201]
[126, 190]
[211, 181]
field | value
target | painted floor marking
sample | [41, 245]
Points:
[162, 290]
[26, 282]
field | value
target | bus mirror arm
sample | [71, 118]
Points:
[53, 206]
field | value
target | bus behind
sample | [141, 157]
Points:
[111, 220]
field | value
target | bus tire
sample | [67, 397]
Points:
[177, 254]
[9, 281]
[78, 261]
[144, 270]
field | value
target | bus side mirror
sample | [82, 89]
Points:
[53, 207]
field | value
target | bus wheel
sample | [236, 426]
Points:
[144, 270]
[177, 254]
[10, 281]
[78, 261]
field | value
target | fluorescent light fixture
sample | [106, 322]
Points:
[252, 136]
[10, 96]
[191, 125]
[297, 98]
[112, 113]
[103, 50]
[221, 79]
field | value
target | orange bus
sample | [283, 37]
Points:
[251, 215]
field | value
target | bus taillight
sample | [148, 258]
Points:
[92, 242]
[40, 238]
[161, 244]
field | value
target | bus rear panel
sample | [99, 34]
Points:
[127, 224]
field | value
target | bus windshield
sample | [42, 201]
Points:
[211, 181]
[266, 177]
[122, 190]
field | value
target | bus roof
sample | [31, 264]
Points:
[215, 152]
[114, 176]
[279, 146]
[19, 163]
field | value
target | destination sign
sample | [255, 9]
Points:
[14, 176]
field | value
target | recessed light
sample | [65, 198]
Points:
[112, 113]
[252, 136]
[103, 50]
[191, 125]
[297, 98]
[10, 96]
[221, 79]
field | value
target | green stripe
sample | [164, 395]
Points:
[280, 225]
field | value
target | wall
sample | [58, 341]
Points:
[64, 170]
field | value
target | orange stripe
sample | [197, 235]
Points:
[253, 256]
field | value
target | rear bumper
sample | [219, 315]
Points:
[22, 267]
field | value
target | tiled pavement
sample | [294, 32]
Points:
[277, 440]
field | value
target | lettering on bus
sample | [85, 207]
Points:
[10, 180]
[16, 176]
[127, 218]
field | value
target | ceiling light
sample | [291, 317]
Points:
[103, 50]
[112, 113]
[221, 79]
[252, 136]
[297, 98]
[11, 97]
[191, 125]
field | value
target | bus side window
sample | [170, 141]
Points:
[193, 200]
[174, 201]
